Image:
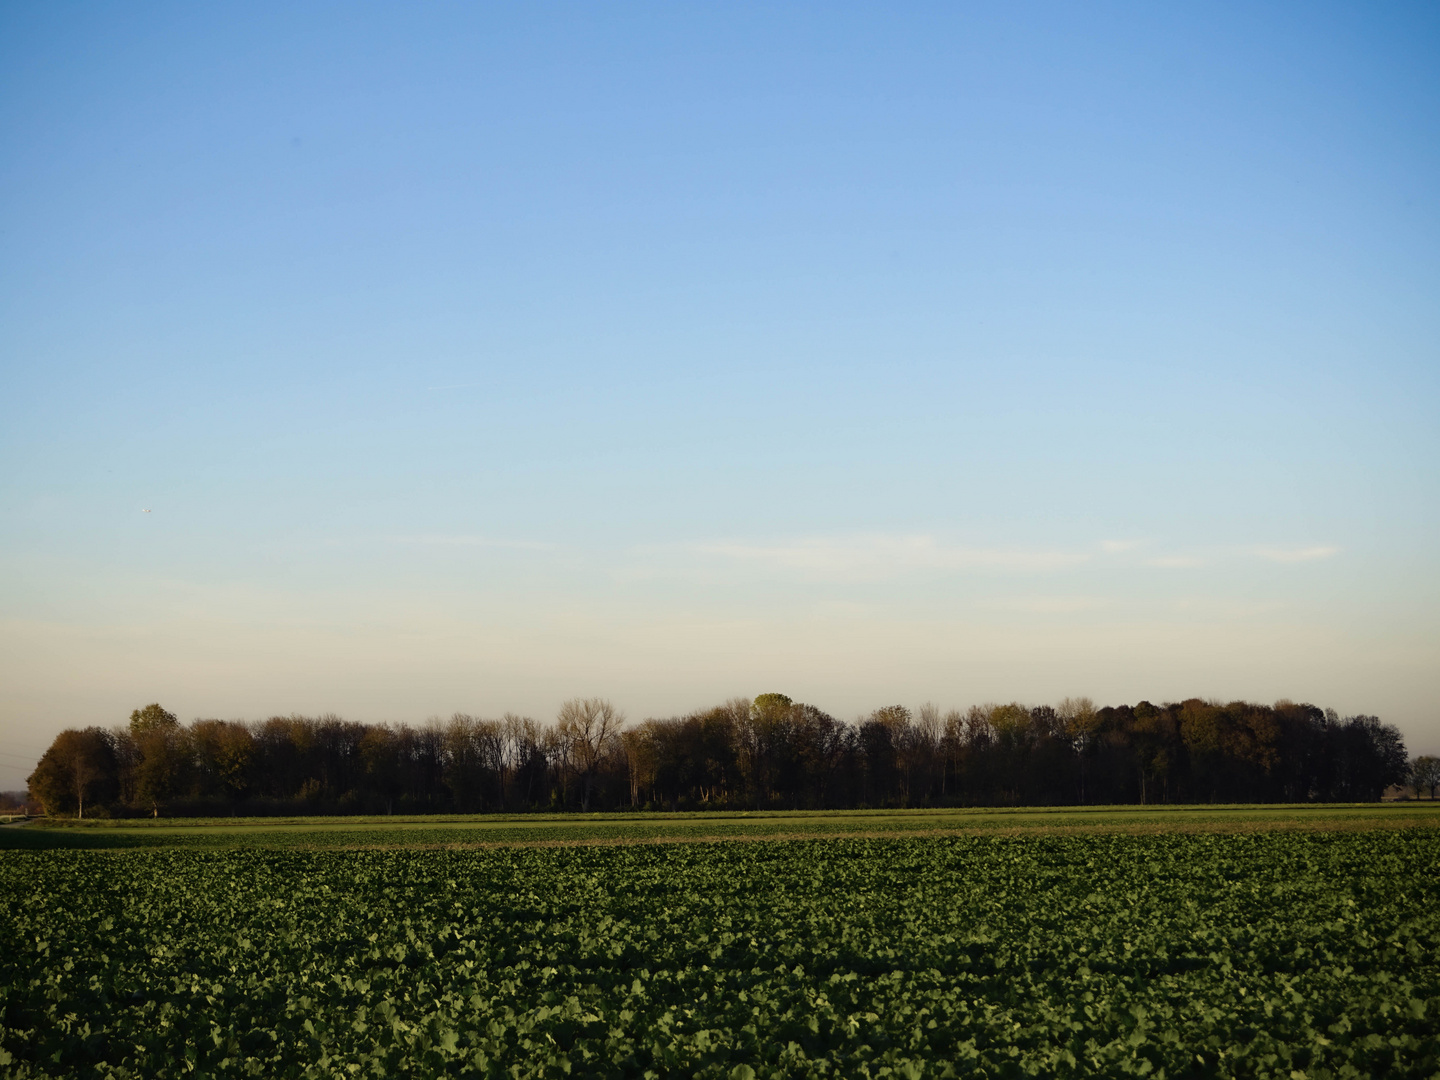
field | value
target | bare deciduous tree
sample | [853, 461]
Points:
[588, 725]
[1081, 724]
[639, 746]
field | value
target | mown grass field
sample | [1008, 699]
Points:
[1265, 942]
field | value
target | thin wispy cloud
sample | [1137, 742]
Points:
[1175, 562]
[1270, 553]
[1294, 555]
[1049, 605]
[466, 540]
[1118, 547]
[884, 555]
[879, 555]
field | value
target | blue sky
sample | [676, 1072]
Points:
[472, 357]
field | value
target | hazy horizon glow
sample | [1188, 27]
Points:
[474, 358]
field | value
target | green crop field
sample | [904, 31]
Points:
[1213, 949]
[489, 829]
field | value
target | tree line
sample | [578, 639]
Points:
[771, 752]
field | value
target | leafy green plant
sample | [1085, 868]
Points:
[1265, 955]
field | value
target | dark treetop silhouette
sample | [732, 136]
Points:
[771, 752]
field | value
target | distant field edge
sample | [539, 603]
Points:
[485, 831]
[650, 817]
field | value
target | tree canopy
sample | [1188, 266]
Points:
[771, 751]
[150, 719]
